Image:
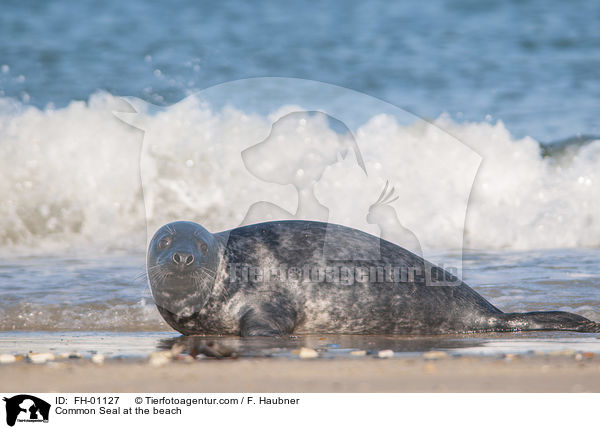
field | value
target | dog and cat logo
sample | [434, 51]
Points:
[26, 408]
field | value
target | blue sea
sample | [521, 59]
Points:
[502, 97]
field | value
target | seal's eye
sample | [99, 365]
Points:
[164, 242]
[203, 247]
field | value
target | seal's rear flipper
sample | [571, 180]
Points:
[547, 321]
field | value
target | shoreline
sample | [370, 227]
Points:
[511, 373]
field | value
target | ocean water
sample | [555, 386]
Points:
[532, 64]
[493, 147]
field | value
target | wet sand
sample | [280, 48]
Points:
[163, 362]
[534, 373]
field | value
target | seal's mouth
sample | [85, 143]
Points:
[180, 272]
[161, 273]
[176, 274]
[165, 276]
[181, 292]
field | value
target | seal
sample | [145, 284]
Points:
[271, 279]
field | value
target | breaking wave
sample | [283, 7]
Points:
[71, 178]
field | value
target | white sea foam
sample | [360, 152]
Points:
[71, 177]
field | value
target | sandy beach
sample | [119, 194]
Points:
[536, 373]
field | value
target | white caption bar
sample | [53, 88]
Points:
[269, 410]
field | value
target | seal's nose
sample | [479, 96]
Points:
[183, 259]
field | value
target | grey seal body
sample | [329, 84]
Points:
[273, 279]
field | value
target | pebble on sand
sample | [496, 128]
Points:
[584, 355]
[164, 357]
[385, 354]
[40, 357]
[159, 358]
[435, 354]
[176, 349]
[306, 353]
[6, 358]
[98, 359]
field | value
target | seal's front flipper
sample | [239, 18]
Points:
[267, 320]
[547, 321]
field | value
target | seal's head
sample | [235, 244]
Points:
[182, 262]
